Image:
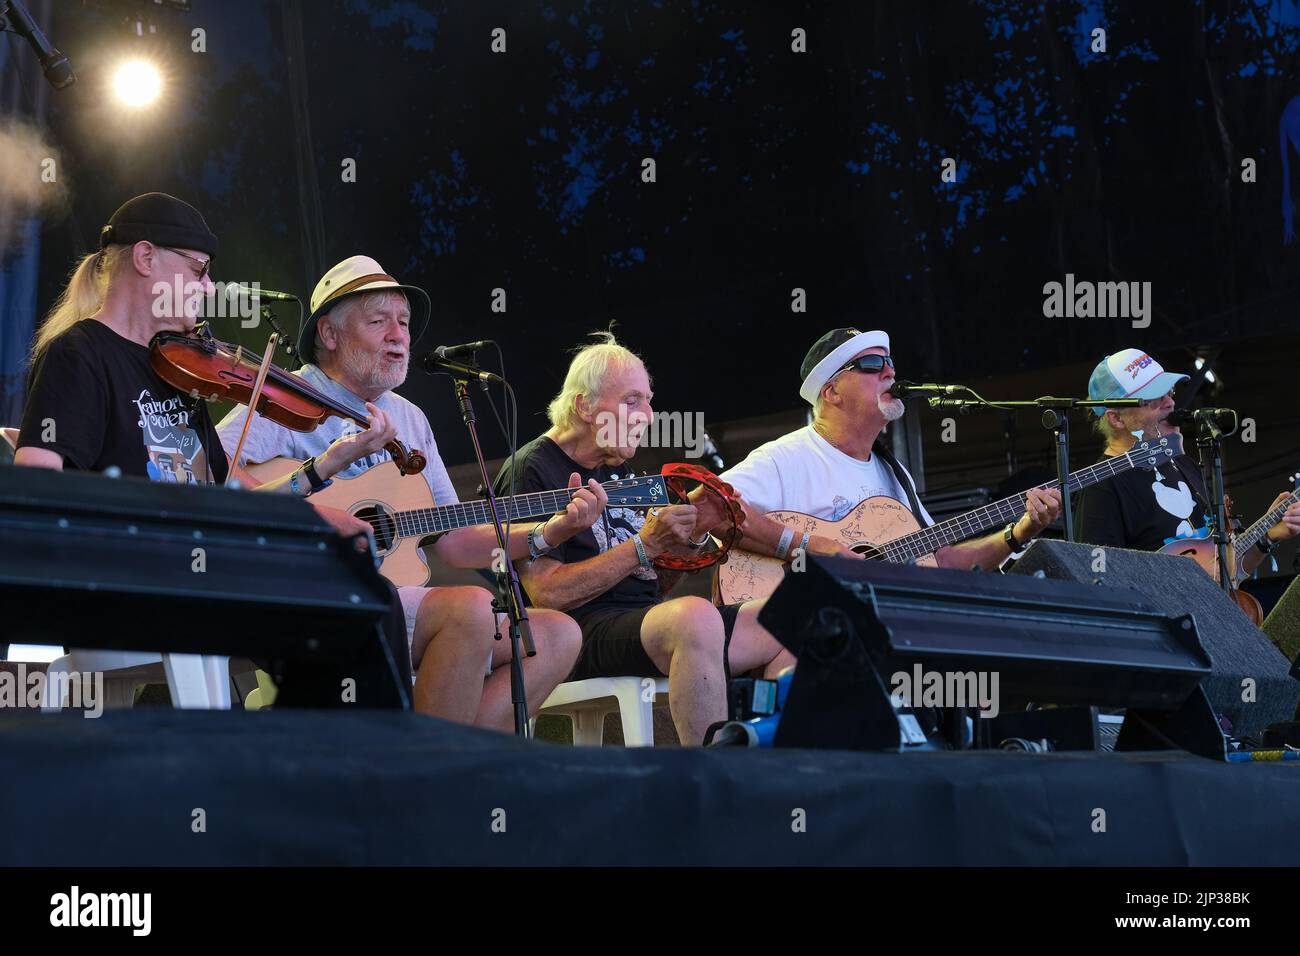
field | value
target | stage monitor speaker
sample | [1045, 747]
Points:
[128, 564]
[1283, 624]
[1245, 663]
[854, 625]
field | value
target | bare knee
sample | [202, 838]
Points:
[459, 615]
[558, 636]
[687, 625]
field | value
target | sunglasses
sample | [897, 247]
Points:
[204, 263]
[871, 364]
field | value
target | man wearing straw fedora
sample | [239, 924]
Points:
[356, 345]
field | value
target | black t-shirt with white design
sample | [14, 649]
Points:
[542, 466]
[1144, 509]
[94, 398]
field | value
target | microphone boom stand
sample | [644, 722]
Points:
[1056, 418]
[509, 597]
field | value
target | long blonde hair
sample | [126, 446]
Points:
[82, 296]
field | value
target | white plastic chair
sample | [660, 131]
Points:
[195, 681]
[587, 702]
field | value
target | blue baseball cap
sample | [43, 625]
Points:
[1130, 374]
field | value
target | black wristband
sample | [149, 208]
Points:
[313, 476]
[1267, 545]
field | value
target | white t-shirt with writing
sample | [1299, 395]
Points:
[804, 472]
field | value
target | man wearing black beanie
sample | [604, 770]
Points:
[94, 401]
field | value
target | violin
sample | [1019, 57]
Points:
[205, 367]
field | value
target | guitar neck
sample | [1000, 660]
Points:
[1252, 535]
[963, 526]
[421, 522]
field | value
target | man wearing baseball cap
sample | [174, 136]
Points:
[357, 343]
[1140, 509]
[828, 468]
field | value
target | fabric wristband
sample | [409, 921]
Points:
[538, 534]
[783, 546]
[640, 552]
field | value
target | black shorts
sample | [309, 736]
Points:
[611, 644]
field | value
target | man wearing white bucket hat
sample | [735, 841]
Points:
[1147, 510]
[356, 344]
[828, 468]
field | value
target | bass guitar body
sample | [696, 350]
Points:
[748, 576]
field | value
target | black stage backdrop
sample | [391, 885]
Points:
[775, 170]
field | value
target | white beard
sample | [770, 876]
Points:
[891, 408]
[369, 370]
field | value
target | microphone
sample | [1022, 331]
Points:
[436, 361]
[904, 389]
[56, 66]
[1224, 418]
[268, 294]
[469, 348]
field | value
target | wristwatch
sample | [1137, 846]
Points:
[1266, 544]
[1009, 536]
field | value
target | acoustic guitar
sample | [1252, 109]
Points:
[882, 528]
[1203, 551]
[402, 511]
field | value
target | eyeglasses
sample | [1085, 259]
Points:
[872, 364]
[1150, 402]
[204, 263]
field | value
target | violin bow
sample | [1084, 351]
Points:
[253, 399]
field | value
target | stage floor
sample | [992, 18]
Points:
[387, 788]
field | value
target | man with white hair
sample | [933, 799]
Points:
[827, 468]
[605, 577]
[1145, 510]
[357, 345]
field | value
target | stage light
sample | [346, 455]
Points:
[137, 83]
[1209, 376]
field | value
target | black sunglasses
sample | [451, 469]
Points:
[871, 364]
[205, 263]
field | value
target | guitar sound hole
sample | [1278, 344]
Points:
[384, 524]
[868, 551]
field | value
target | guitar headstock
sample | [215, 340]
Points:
[1154, 452]
[645, 492]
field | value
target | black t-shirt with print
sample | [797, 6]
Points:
[542, 466]
[1144, 509]
[94, 398]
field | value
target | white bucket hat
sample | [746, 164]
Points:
[353, 275]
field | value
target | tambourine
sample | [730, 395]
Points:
[676, 474]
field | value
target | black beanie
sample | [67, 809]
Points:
[161, 219]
